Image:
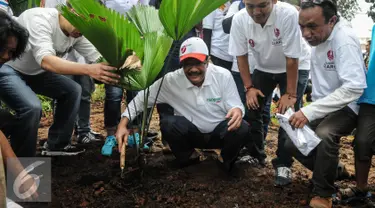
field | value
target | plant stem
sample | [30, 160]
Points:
[161, 83]
[144, 117]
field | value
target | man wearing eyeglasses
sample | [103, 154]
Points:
[270, 30]
[338, 80]
[208, 109]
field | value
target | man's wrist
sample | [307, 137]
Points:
[248, 87]
[291, 95]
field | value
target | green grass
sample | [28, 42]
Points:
[99, 94]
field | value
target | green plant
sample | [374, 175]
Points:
[144, 32]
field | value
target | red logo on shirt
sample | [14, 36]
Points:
[251, 42]
[330, 55]
[183, 49]
[277, 32]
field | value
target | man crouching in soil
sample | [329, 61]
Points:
[207, 108]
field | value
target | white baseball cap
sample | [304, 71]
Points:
[194, 48]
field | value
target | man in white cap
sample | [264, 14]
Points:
[208, 109]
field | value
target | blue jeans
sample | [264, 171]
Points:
[112, 106]
[83, 118]
[18, 92]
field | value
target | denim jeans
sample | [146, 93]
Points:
[267, 82]
[18, 92]
[112, 106]
[83, 118]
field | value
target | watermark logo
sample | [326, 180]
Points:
[32, 183]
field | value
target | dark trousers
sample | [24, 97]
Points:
[324, 159]
[18, 92]
[364, 142]
[266, 82]
[220, 62]
[183, 136]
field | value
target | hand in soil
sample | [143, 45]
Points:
[235, 116]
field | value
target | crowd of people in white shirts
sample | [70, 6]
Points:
[217, 94]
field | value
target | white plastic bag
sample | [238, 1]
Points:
[304, 139]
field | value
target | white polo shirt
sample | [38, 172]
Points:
[219, 39]
[338, 62]
[204, 106]
[279, 38]
[233, 9]
[47, 38]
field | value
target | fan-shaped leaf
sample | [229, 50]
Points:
[156, 48]
[110, 32]
[146, 19]
[180, 16]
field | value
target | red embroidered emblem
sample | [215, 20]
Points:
[330, 55]
[251, 42]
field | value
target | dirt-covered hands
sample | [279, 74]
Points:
[235, 119]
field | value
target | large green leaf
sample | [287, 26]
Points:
[146, 19]
[180, 16]
[156, 48]
[110, 32]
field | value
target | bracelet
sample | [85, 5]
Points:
[290, 96]
[248, 88]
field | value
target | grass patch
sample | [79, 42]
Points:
[98, 94]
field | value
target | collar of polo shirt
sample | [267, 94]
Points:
[334, 30]
[207, 79]
[271, 19]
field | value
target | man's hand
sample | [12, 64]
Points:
[122, 135]
[298, 120]
[235, 116]
[252, 98]
[101, 72]
[285, 102]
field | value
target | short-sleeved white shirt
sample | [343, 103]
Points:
[233, 9]
[279, 38]
[338, 62]
[219, 40]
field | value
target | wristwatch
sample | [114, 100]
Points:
[248, 88]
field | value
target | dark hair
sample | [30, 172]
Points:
[9, 27]
[329, 8]
[369, 42]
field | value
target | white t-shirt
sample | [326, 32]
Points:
[338, 62]
[204, 106]
[47, 38]
[233, 9]
[219, 39]
[280, 37]
[122, 6]
[54, 3]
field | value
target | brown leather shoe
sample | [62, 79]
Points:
[320, 202]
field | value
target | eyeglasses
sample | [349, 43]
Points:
[320, 2]
[189, 66]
